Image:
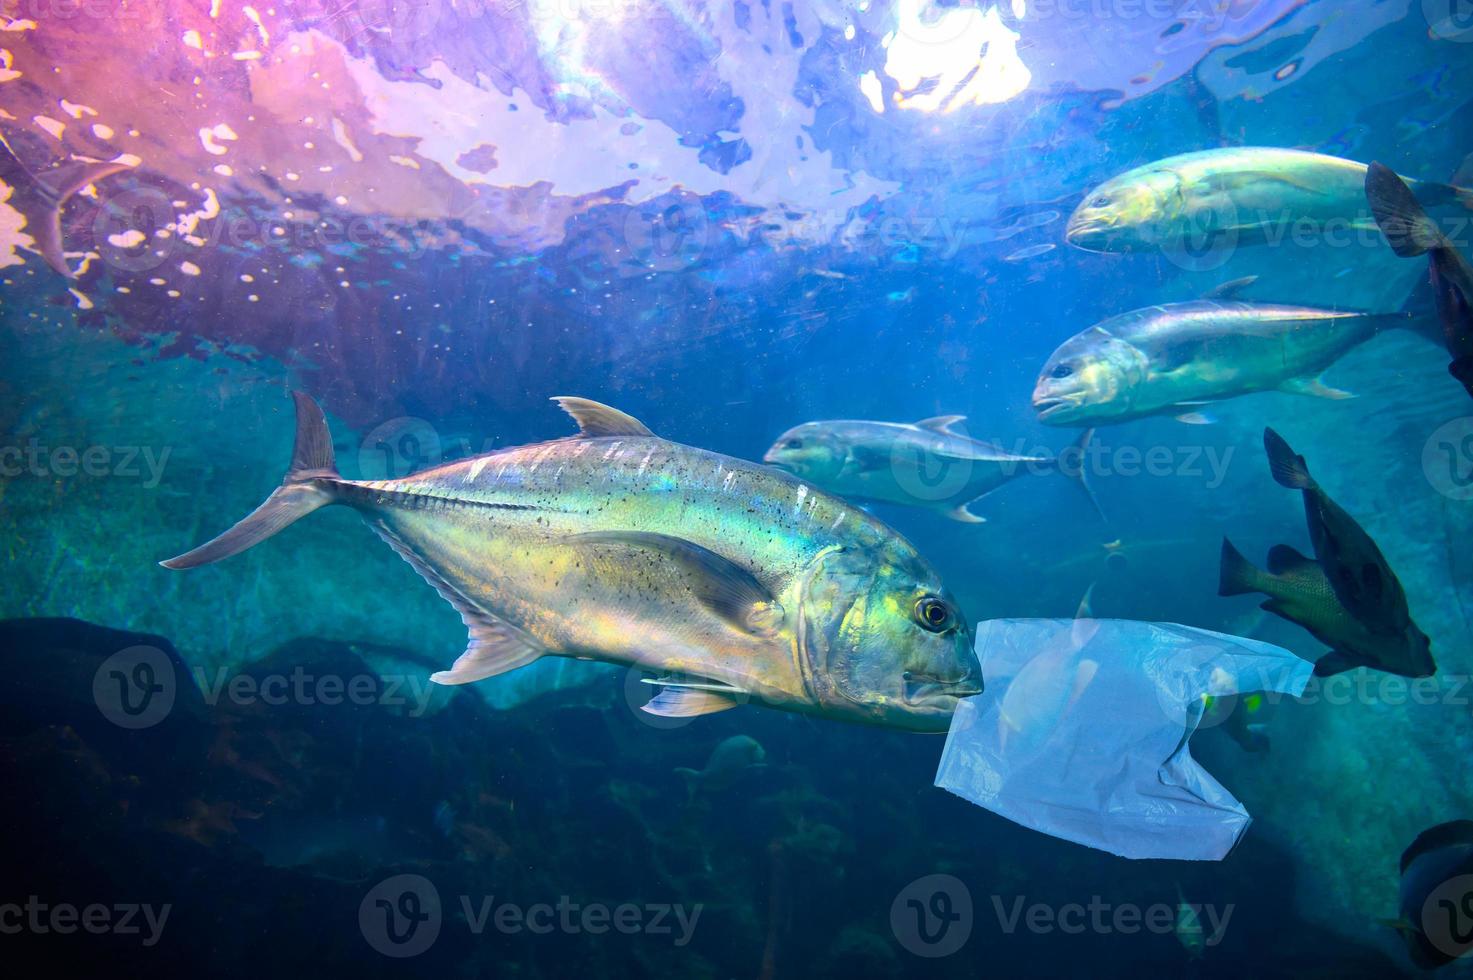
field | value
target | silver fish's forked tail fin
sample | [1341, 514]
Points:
[1399, 215]
[300, 494]
[1287, 467]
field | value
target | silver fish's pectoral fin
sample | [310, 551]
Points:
[718, 583]
[688, 702]
[495, 647]
[1230, 290]
[596, 420]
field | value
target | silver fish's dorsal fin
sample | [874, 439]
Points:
[941, 423]
[597, 420]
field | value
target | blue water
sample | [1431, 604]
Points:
[724, 220]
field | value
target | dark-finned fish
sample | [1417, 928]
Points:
[730, 580]
[1412, 233]
[928, 464]
[1435, 899]
[1347, 596]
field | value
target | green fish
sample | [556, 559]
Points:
[1172, 359]
[728, 579]
[1347, 596]
[1242, 195]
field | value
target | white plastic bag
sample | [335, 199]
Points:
[1082, 731]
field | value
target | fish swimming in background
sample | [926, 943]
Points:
[1347, 596]
[732, 759]
[1244, 195]
[929, 464]
[1412, 233]
[1435, 900]
[1048, 686]
[1175, 358]
[732, 581]
[47, 194]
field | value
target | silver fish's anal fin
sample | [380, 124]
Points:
[964, 514]
[597, 420]
[1197, 418]
[686, 702]
[696, 684]
[308, 486]
[718, 583]
[53, 188]
[942, 424]
[495, 646]
[1315, 388]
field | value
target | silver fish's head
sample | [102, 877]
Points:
[884, 640]
[1090, 378]
[1137, 210]
[810, 451]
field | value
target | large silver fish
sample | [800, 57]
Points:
[1170, 359]
[929, 464]
[730, 580]
[1244, 195]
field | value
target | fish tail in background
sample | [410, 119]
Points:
[1287, 467]
[1237, 575]
[300, 494]
[51, 190]
[1398, 213]
[1076, 472]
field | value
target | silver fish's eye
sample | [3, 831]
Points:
[793, 444]
[1061, 371]
[1100, 201]
[932, 613]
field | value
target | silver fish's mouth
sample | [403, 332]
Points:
[1048, 407]
[925, 688]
